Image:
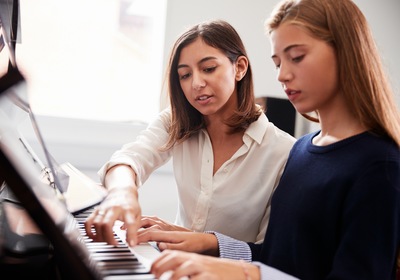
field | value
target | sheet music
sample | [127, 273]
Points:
[83, 192]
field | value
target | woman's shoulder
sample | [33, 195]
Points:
[163, 119]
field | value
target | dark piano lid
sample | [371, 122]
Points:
[41, 201]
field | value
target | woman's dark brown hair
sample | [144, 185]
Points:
[186, 120]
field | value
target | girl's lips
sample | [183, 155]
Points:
[291, 91]
[292, 94]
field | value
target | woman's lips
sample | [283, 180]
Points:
[203, 99]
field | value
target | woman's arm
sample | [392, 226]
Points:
[127, 169]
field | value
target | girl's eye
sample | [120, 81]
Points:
[298, 58]
[277, 62]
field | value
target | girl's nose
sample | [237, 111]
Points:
[284, 74]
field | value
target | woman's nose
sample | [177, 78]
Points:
[198, 82]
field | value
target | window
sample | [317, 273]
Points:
[93, 59]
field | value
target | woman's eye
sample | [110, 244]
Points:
[209, 69]
[277, 66]
[184, 76]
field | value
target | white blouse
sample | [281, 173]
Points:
[235, 201]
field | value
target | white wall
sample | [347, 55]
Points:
[384, 19]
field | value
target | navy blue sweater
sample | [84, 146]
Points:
[336, 211]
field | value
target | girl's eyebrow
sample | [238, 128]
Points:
[288, 48]
[201, 61]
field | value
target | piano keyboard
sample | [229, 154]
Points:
[118, 262]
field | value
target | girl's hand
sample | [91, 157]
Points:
[155, 223]
[179, 264]
[197, 242]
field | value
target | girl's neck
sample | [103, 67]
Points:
[327, 137]
[337, 125]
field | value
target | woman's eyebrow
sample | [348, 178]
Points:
[200, 62]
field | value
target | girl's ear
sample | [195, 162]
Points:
[242, 64]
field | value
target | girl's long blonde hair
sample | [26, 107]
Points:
[362, 78]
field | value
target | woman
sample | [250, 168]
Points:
[223, 147]
[336, 211]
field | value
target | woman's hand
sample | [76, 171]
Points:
[196, 242]
[120, 204]
[179, 264]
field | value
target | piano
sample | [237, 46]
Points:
[27, 252]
